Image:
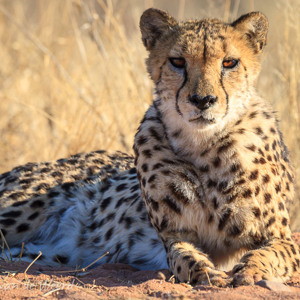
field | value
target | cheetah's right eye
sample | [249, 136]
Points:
[177, 62]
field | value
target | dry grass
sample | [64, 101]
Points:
[73, 77]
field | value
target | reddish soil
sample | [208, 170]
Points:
[119, 281]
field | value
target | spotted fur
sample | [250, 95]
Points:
[210, 185]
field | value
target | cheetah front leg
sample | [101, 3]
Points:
[278, 261]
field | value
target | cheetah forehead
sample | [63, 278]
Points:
[161, 32]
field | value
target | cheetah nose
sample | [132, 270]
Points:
[203, 102]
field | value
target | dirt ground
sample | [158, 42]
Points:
[119, 281]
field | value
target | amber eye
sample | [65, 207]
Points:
[177, 62]
[230, 63]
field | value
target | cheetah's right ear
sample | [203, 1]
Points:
[153, 24]
[254, 26]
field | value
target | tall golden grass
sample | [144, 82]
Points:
[73, 77]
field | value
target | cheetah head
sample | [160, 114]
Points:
[204, 70]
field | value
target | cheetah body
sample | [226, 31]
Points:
[211, 182]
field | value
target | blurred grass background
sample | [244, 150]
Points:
[72, 74]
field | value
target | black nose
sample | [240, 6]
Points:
[203, 102]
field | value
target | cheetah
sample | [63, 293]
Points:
[210, 185]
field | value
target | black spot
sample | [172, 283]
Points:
[290, 177]
[210, 219]
[254, 175]
[177, 193]
[224, 219]
[251, 147]
[128, 221]
[164, 224]
[253, 115]
[235, 167]
[143, 181]
[217, 162]
[157, 166]
[135, 187]
[16, 196]
[203, 153]
[271, 221]
[274, 144]
[155, 134]
[22, 227]
[235, 230]
[178, 269]
[104, 203]
[222, 186]
[53, 194]
[272, 130]
[256, 212]
[145, 167]
[266, 178]
[109, 233]
[211, 183]
[225, 146]
[281, 206]
[37, 204]
[215, 202]
[176, 133]
[27, 180]
[147, 153]
[61, 259]
[42, 186]
[7, 222]
[140, 206]
[121, 187]
[231, 198]
[257, 190]
[12, 214]
[258, 131]
[67, 186]
[152, 178]
[267, 197]
[132, 171]
[172, 204]
[241, 130]
[204, 169]
[284, 222]
[241, 181]
[155, 205]
[141, 140]
[247, 193]
[33, 216]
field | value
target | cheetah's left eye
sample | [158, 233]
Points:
[230, 63]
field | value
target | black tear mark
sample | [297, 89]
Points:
[246, 74]
[178, 92]
[205, 45]
[227, 98]
[160, 72]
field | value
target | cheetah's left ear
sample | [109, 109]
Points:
[254, 26]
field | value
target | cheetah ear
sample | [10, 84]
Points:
[153, 24]
[254, 26]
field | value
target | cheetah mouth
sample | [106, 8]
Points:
[201, 119]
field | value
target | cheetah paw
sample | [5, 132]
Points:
[248, 275]
[209, 276]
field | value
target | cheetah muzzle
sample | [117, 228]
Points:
[209, 188]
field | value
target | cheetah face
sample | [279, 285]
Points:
[203, 69]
